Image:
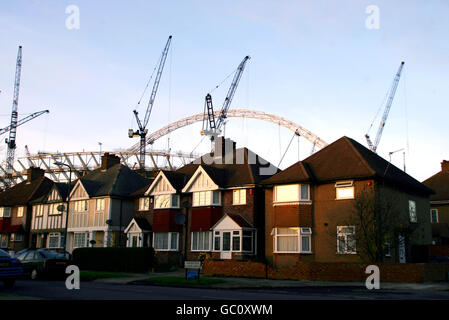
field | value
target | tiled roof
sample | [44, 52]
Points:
[143, 224]
[25, 192]
[440, 183]
[348, 159]
[240, 221]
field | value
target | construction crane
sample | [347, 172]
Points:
[142, 131]
[373, 146]
[24, 120]
[212, 127]
[11, 141]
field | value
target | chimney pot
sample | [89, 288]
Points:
[445, 165]
[108, 160]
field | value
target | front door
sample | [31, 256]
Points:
[226, 249]
[401, 247]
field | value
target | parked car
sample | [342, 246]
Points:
[10, 269]
[43, 263]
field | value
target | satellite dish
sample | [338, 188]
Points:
[180, 219]
[60, 208]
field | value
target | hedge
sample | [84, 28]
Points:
[114, 259]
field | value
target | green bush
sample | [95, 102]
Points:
[114, 259]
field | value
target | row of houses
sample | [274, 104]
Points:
[343, 203]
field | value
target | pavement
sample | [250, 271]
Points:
[257, 283]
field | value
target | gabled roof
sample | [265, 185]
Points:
[347, 159]
[237, 220]
[247, 168]
[440, 183]
[142, 223]
[25, 192]
[176, 180]
[117, 180]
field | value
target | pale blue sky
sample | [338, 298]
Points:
[313, 62]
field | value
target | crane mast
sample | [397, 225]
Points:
[212, 127]
[11, 141]
[142, 131]
[373, 146]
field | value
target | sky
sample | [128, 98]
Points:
[316, 63]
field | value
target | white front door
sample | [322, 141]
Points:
[226, 247]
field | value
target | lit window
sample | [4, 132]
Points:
[434, 215]
[412, 211]
[165, 241]
[206, 198]
[144, 204]
[80, 206]
[20, 212]
[286, 240]
[346, 239]
[99, 204]
[344, 190]
[39, 210]
[292, 193]
[5, 212]
[239, 196]
[166, 201]
[201, 241]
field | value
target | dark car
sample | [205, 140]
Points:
[43, 263]
[10, 269]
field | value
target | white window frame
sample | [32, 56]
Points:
[86, 240]
[300, 232]
[344, 185]
[55, 235]
[208, 236]
[341, 234]
[414, 218]
[77, 207]
[170, 204]
[169, 241]
[431, 215]
[238, 234]
[299, 197]
[239, 197]
[16, 237]
[102, 205]
[144, 204]
[208, 197]
[5, 212]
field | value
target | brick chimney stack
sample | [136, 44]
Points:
[34, 173]
[109, 160]
[445, 165]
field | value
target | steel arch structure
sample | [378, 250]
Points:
[236, 113]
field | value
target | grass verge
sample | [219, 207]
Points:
[180, 281]
[94, 275]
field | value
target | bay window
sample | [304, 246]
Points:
[166, 241]
[201, 241]
[164, 201]
[292, 240]
[235, 240]
[206, 198]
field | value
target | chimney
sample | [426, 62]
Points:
[224, 149]
[34, 173]
[109, 160]
[445, 165]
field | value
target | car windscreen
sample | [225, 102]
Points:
[4, 254]
[51, 254]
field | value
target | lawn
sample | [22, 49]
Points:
[181, 281]
[94, 275]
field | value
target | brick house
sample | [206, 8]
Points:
[48, 224]
[439, 204]
[223, 199]
[310, 208]
[100, 205]
[16, 209]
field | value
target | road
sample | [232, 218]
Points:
[56, 290]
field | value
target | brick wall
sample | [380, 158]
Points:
[318, 271]
[439, 251]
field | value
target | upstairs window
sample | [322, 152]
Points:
[39, 210]
[434, 215]
[144, 204]
[346, 240]
[412, 211]
[239, 197]
[5, 212]
[80, 206]
[292, 193]
[206, 198]
[165, 201]
[344, 190]
[20, 211]
[99, 204]
[53, 208]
